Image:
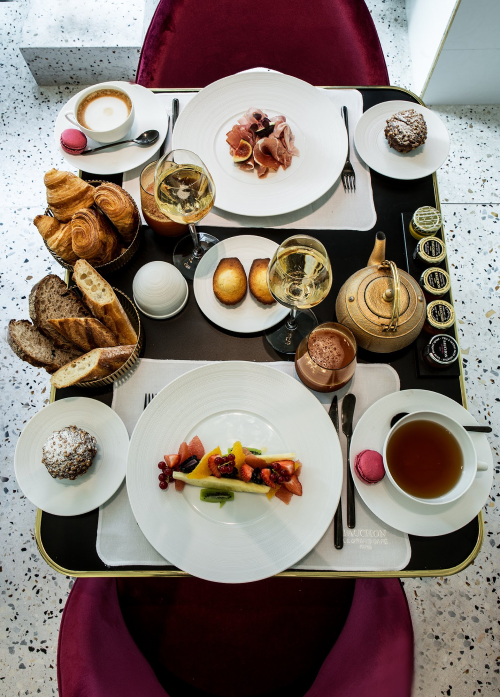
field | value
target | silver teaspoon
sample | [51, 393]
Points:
[146, 138]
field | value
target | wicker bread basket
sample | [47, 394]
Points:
[133, 316]
[114, 264]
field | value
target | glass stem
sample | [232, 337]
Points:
[198, 250]
[291, 323]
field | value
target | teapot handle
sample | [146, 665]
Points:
[393, 323]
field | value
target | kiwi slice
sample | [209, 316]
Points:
[212, 496]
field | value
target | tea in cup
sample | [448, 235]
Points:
[430, 458]
[103, 112]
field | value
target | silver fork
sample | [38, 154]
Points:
[348, 175]
[148, 398]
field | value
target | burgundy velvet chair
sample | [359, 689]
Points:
[227, 641]
[191, 43]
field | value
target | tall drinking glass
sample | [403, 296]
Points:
[299, 277]
[185, 193]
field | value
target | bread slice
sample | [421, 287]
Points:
[85, 332]
[101, 299]
[92, 366]
[50, 298]
[33, 347]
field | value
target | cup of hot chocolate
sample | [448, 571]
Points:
[104, 112]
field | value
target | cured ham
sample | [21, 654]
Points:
[271, 141]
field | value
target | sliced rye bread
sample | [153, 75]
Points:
[33, 347]
[51, 299]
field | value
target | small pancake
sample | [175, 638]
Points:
[258, 282]
[230, 281]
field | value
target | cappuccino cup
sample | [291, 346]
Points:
[104, 112]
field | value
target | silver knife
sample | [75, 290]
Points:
[348, 406]
[338, 529]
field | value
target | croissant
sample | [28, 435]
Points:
[94, 238]
[58, 237]
[119, 207]
[67, 194]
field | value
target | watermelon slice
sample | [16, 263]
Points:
[196, 447]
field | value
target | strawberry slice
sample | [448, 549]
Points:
[172, 460]
[286, 465]
[246, 473]
[294, 486]
[266, 478]
[196, 447]
[213, 467]
[284, 495]
[179, 485]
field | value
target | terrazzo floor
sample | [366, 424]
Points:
[455, 618]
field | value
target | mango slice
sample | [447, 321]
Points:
[239, 455]
[202, 469]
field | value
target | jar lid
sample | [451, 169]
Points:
[432, 250]
[441, 350]
[440, 314]
[435, 281]
[427, 220]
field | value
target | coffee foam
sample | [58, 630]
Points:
[104, 110]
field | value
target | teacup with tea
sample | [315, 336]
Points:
[104, 112]
[430, 458]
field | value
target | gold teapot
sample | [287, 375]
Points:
[383, 306]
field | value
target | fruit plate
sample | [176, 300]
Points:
[250, 538]
[249, 315]
[202, 126]
[389, 504]
[90, 490]
[372, 146]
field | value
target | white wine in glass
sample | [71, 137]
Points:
[299, 277]
[185, 193]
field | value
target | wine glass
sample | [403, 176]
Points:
[299, 277]
[185, 193]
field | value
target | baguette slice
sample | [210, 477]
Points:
[85, 332]
[33, 347]
[101, 299]
[92, 366]
[51, 298]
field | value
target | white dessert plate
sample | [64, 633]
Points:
[87, 492]
[149, 114]
[320, 135]
[393, 507]
[249, 315]
[372, 145]
[251, 537]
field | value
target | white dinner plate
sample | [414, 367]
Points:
[104, 476]
[249, 315]
[251, 537]
[320, 136]
[372, 145]
[393, 507]
[149, 114]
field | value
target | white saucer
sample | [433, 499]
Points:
[90, 490]
[149, 114]
[372, 145]
[249, 315]
[395, 508]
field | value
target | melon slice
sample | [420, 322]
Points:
[202, 469]
[221, 484]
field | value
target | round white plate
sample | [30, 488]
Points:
[393, 507]
[90, 490]
[320, 136]
[250, 538]
[373, 147]
[149, 114]
[249, 315]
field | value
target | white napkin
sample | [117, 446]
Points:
[371, 546]
[336, 210]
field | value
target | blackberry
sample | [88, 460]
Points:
[256, 477]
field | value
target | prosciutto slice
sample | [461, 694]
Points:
[283, 132]
[270, 152]
[237, 133]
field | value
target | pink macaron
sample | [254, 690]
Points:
[369, 466]
[73, 141]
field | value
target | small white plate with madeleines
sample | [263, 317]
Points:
[249, 315]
